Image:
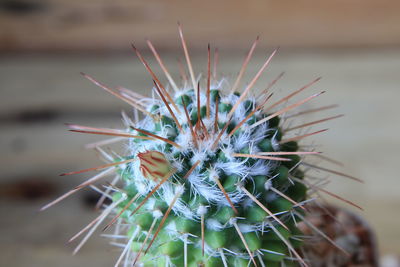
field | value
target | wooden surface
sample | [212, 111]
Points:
[50, 25]
[40, 93]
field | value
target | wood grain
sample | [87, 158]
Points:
[99, 25]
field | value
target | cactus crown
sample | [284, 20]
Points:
[208, 179]
[218, 180]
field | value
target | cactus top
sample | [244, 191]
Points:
[218, 185]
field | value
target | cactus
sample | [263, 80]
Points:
[209, 177]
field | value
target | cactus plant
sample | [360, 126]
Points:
[210, 176]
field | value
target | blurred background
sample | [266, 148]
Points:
[44, 44]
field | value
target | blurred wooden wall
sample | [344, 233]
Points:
[59, 25]
[41, 91]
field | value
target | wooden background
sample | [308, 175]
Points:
[353, 45]
[48, 25]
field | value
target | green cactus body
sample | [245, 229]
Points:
[209, 177]
[213, 204]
